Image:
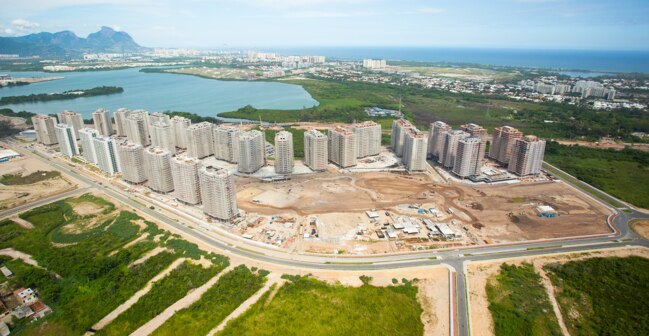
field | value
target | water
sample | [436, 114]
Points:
[158, 92]
[590, 60]
[582, 74]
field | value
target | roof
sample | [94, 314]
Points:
[6, 271]
[372, 214]
[545, 208]
[8, 153]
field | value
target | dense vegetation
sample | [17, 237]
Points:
[173, 287]
[85, 280]
[307, 306]
[345, 102]
[22, 114]
[603, 296]
[215, 305]
[72, 94]
[195, 118]
[519, 304]
[623, 174]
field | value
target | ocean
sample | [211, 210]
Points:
[588, 60]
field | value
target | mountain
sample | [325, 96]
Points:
[66, 43]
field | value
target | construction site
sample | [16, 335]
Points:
[382, 212]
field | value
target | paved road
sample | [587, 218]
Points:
[455, 258]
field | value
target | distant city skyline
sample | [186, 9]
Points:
[554, 24]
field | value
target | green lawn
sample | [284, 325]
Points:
[603, 296]
[623, 174]
[37, 176]
[215, 305]
[519, 304]
[311, 307]
[164, 293]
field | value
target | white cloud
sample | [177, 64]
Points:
[23, 24]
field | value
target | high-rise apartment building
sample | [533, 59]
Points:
[475, 131]
[86, 136]
[527, 156]
[226, 143]
[415, 150]
[453, 137]
[73, 119]
[398, 138]
[503, 142]
[66, 139]
[284, 152]
[469, 157]
[200, 140]
[137, 128]
[162, 135]
[102, 121]
[368, 138]
[107, 155]
[120, 121]
[218, 193]
[184, 172]
[179, 125]
[159, 117]
[44, 128]
[342, 147]
[437, 138]
[131, 161]
[157, 167]
[252, 151]
[316, 153]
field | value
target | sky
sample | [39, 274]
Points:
[535, 24]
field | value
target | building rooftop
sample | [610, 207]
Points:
[342, 130]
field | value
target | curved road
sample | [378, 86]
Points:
[455, 258]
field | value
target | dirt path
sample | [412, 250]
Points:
[273, 278]
[25, 224]
[131, 243]
[26, 258]
[148, 255]
[549, 289]
[131, 301]
[185, 302]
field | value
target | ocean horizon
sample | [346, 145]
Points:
[581, 60]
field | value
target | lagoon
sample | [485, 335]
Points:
[158, 92]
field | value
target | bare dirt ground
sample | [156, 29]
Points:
[480, 272]
[148, 255]
[641, 227]
[486, 214]
[11, 196]
[26, 258]
[25, 224]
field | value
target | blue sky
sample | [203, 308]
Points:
[538, 24]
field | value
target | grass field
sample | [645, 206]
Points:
[310, 307]
[37, 176]
[215, 305]
[519, 304]
[623, 174]
[603, 296]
